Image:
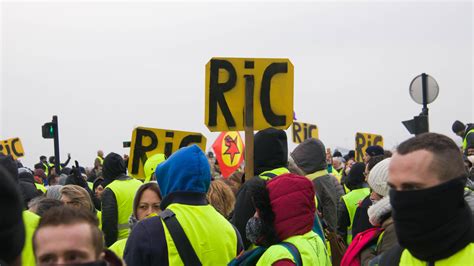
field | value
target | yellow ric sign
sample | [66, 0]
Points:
[226, 80]
[364, 140]
[150, 141]
[12, 147]
[303, 131]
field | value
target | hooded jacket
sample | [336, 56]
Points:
[355, 180]
[310, 157]
[184, 180]
[469, 137]
[113, 169]
[286, 206]
[27, 185]
[270, 152]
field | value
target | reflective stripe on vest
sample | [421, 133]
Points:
[463, 257]
[124, 191]
[310, 246]
[352, 202]
[464, 141]
[212, 237]
[267, 175]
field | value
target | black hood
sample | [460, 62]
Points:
[8, 167]
[468, 127]
[113, 167]
[270, 150]
[26, 176]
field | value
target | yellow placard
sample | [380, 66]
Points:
[150, 141]
[225, 93]
[302, 131]
[364, 140]
[12, 147]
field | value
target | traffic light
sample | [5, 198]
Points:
[48, 130]
[418, 125]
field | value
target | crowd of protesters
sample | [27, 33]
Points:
[410, 206]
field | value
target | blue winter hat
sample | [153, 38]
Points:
[187, 170]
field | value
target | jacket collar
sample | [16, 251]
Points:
[187, 198]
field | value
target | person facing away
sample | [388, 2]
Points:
[184, 180]
[433, 222]
[348, 203]
[310, 158]
[117, 199]
[285, 207]
[270, 159]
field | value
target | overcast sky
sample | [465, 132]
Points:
[105, 68]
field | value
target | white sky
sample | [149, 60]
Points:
[107, 67]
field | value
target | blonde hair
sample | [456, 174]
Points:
[221, 197]
[79, 196]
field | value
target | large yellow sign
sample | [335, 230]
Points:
[226, 80]
[12, 147]
[150, 141]
[302, 131]
[364, 140]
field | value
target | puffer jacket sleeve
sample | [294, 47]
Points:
[109, 217]
[243, 211]
[343, 220]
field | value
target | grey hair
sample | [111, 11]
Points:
[54, 192]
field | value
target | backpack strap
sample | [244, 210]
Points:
[181, 241]
[294, 252]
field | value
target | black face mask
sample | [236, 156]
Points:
[433, 223]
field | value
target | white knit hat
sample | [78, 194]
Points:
[378, 178]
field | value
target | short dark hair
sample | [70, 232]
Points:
[377, 159]
[66, 215]
[42, 157]
[447, 157]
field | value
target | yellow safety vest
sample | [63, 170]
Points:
[463, 257]
[101, 161]
[46, 170]
[464, 141]
[31, 221]
[212, 237]
[352, 202]
[119, 247]
[267, 175]
[41, 188]
[99, 217]
[124, 191]
[309, 245]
